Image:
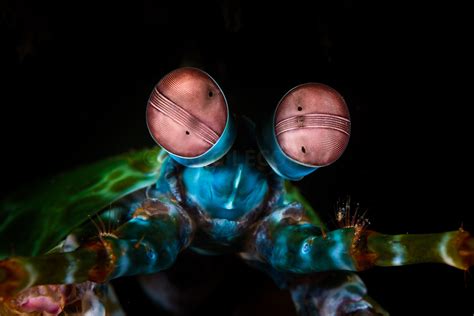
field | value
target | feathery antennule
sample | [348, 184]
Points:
[96, 226]
[101, 228]
[345, 218]
[102, 224]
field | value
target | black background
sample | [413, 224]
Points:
[76, 78]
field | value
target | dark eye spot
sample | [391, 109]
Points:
[300, 108]
[187, 132]
[303, 149]
[211, 94]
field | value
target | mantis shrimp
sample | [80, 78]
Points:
[217, 183]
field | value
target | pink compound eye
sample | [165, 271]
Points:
[187, 112]
[312, 124]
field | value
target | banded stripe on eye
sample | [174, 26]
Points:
[187, 112]
[312, 124]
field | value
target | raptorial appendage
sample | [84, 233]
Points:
[287, 240]
[317, 265]
[148, 242]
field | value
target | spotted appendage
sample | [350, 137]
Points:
[147, 243]
[288, 241]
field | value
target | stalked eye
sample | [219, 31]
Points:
[310, 128]
[187, 114]
[312, 124]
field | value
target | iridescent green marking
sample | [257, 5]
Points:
[454, 248]
[47, 212]
[124, 184]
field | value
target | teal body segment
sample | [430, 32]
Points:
[228, 191]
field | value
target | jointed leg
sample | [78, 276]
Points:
[147, 243]
[287, 241]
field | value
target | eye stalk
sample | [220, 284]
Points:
[187, 115]
[309, 129]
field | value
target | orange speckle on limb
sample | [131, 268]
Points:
[137, 245]
[105, 263]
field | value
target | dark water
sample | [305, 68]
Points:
[76, 79]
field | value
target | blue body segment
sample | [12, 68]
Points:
[283, 165]
[229, 190]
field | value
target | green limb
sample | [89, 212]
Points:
[289, 242]
[147, 243]
[19, 273]
[454, 248]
